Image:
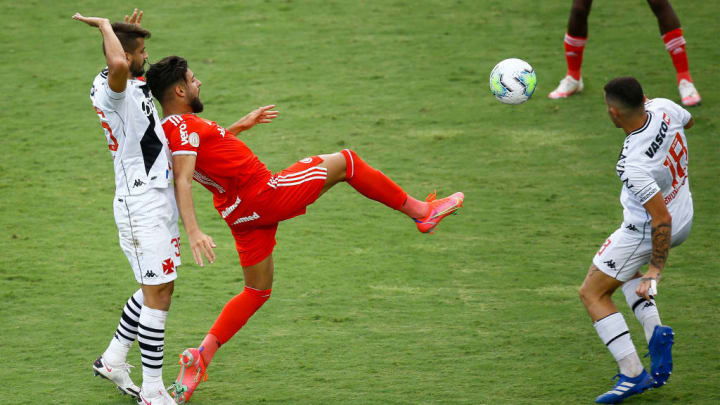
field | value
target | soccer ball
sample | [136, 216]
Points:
[513, 81]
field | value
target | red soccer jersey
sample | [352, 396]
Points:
[224, 165]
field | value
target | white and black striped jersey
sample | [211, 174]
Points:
[654, 159]
[135, 136]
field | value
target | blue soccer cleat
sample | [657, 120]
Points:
[626, 387]
[661, 355]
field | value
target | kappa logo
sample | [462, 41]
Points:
[632, 227]
[150, 274]
[610, 263]
[138, 183]
[648, 304]
[168, 266]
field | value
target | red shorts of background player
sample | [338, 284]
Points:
[286, 195]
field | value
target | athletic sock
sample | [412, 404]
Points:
[645, 311]
[372, 183]
[234, 315]
[675, 45]
[126, 333]
[151, 339]
[415, 208]
[574, 47]
[615, 334]
[208, 347]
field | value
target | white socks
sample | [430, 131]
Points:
[151, 339]
[645, 311]
[615, 334]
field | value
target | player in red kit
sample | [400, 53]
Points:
[253, 200]
[670, 31]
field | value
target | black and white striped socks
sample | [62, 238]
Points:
[645, 311]
[151, 339]
[126, 332]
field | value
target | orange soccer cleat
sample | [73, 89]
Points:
[439, 209]
[192, 373]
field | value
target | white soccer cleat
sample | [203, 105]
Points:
[159, 397]
[119, 375]
[688, 93]
[567, 87]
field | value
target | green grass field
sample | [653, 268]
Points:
[365, 310]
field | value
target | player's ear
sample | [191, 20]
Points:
[180, 90]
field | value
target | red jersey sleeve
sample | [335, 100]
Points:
[184, 134]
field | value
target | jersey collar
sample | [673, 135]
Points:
[644, 127]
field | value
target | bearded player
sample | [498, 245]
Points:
[252, 200]
[657, 215]
[144, 205]
[670, 31]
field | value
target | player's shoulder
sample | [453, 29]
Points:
[660, 103]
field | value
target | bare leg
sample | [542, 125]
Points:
[260, 276]
[336, 165]
[579, 12]
[158, 296]
[596, 292]
[667, 19]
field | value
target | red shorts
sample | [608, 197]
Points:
[287, 194]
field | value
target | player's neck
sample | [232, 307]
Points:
[175, 109]
[635, 123]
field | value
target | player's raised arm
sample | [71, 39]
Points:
[183, 169]
[262, 115]
[661, 228]
[118, 66]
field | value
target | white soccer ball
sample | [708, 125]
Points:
[513, 81]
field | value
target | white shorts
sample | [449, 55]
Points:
[149, 234]
[624, 252]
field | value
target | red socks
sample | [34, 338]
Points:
[234, 315]
[675, 45]
[372, 183]
[574, 47]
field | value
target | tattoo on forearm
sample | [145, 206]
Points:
[660, 244]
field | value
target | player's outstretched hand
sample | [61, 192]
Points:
[262, 115]
[91, 21]
[134, 18]
[202, 244]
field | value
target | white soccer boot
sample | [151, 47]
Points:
[688, 93]
[158, 397]
[567, 87]
[118, 374]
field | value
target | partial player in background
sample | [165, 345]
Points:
[252, 200]
[657, 215]
[144, 205]
[672, 36]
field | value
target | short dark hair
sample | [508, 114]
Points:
[164, 74]
[128, 34]
[626, 91]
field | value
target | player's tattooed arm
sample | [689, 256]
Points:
[661, 235]
[262, 115]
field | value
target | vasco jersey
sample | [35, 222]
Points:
[224, 165]
[134, 134]
[654, 159]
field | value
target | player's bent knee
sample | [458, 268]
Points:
[350, 158]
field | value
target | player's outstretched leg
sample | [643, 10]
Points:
[373, 184]
[235, 314]
[112, 363]
[660, 348]
[672, 36]
[575, 39]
